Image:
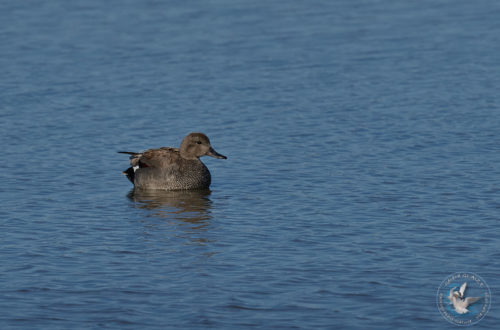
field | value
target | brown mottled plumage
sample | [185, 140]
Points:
[172, 168]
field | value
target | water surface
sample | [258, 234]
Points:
[362, 143]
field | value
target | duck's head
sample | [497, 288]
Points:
[196, 145]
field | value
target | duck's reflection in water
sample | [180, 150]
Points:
[188, 210]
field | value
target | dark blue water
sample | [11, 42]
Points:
[363, 162]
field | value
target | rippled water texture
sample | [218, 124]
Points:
[362, 141]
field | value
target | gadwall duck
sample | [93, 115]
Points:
[172, 168]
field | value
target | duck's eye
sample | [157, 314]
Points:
[198, 142]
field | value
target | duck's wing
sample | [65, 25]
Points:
[158, 158]
[462, 289]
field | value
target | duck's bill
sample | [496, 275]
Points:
[215, 154]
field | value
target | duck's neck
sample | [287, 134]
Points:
[187, 155]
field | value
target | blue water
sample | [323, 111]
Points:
[363, 162]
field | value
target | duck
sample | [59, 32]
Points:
[169, 168]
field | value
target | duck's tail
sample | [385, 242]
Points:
[134, 156]
[130, 173]
[134, 161]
